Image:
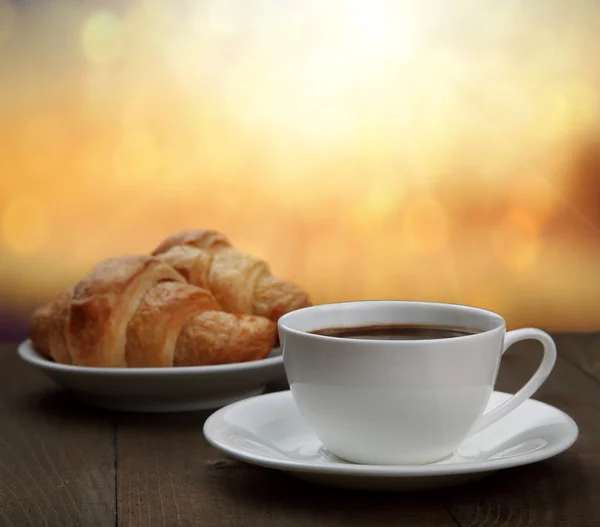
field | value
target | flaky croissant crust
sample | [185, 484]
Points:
[137, 311]
[241, 283]
[195, 300]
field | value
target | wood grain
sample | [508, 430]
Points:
[56, 456]
[582, 350]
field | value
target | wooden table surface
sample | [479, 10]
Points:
[63, 464]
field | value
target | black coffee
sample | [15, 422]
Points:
[396, 332]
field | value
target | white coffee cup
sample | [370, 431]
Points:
[399, 402]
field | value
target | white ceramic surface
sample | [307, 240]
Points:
[400, 401]
[161, 389]
[268, 431]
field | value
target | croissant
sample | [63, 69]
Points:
[240, 282]
[49, 331]
[137, 311]
[208, 240]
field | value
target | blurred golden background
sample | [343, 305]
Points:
[428, 150]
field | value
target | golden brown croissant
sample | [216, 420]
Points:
[208, 240]
[49, 331]
[240, 282]
[137, 311]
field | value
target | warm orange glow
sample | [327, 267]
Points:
[516, 241]
[368, 149]
[424, 226]
[24, 224]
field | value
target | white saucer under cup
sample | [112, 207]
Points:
[400, 402]
[268, 431]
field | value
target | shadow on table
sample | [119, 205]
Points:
[544, 492]
[284, 495]
[65, 405]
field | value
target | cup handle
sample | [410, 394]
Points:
[534, 383]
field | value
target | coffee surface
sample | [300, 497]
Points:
[396, 332]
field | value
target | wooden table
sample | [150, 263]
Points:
[64, 464]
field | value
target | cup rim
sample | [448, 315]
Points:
[501, 323]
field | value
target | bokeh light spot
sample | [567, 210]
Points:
[24, 224]
[102, 37]
[377, 202]
[516, 240]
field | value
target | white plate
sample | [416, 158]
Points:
[161, 389]
[268, 430]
